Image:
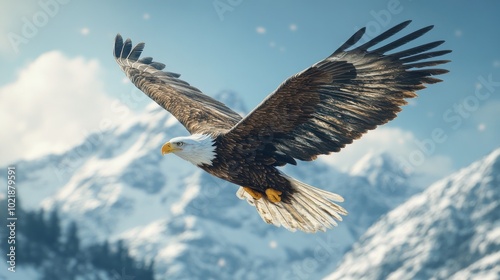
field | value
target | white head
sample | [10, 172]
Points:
[198, 148]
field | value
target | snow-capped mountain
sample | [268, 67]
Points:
[374, 168]
[449, 231]
[117, 185]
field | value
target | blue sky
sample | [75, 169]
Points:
[246, 46]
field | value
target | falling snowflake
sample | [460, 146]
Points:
[261, 30]
[481, 127]
[85, 31]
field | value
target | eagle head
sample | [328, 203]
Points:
[198, 149]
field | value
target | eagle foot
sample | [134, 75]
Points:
[256, 195]
[273, 195]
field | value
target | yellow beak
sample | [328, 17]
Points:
[167, 148]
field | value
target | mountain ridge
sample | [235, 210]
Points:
[118, 186]
[457, 238]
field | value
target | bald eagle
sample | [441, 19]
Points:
[315, 112]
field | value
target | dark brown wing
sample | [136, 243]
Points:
[198, 112]
[335, 101]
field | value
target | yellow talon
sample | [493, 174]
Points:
[273, 195]
[256, 195]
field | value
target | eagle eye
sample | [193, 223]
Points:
[179, 144]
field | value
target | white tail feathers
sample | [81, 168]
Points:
[310, 209]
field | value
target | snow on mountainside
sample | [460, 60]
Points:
[373, 167]
[117, 185]
[450, 231]
[387, 175]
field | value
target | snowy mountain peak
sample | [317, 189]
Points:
[116, 185]
[381, 169]
[373, 161]
[450, 231]
[120, 187]
[492, 161]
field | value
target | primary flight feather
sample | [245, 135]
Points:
[317, 111]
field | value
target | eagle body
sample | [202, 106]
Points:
[315, 112]
[254, 169]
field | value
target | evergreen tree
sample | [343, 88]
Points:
[40, 243]
[72, 243]
[31, 227]
[54, 230]
[119, 255]
[145, 271]
[39, 228]
[104, 256]
[100, 256]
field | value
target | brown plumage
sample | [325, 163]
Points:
[317, 111]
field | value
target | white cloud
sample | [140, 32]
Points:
[260, 30]
[293, 27]
[52, 105]
[458, 33]
[146, 16]
[382, 139]
[400, 144]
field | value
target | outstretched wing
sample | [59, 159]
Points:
[336, 100]
[198, 112]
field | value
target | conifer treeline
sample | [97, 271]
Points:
[58, 253]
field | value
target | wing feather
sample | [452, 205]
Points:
[337, 100]
[198, 112]
[384, 35]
